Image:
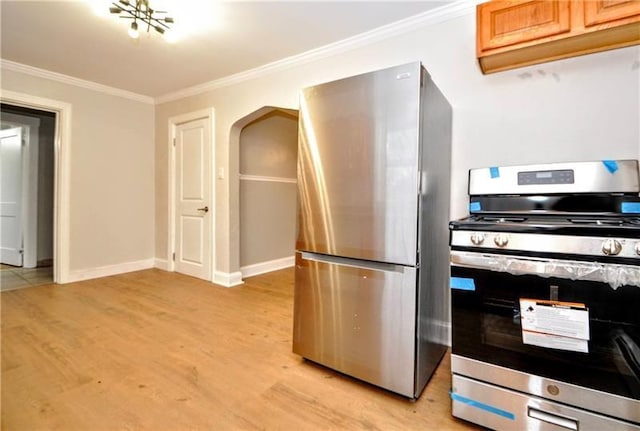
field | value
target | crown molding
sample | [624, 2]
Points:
[65, 79]
[430, 17]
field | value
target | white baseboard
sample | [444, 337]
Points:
[228, 279]
[105, 271]
[271, 265]
[161, 264]
[225, 279]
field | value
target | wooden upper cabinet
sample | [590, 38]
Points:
[518, 33]
[509, 23]
[601, 12]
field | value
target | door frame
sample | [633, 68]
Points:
[62, 158]
[174, 122]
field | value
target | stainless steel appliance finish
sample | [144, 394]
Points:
[610, 273]
[358, 166]
[558, 244]
[545, 292]
[367, 321]
[575, 177]
[554, 390]
[373, 198]
[523, 412]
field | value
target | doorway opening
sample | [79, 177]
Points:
[27, 195]
[267, 164]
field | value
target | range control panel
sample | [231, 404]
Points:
[604, 176]
[532, 242]
[564, 176]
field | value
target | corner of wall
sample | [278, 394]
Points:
[228, 279]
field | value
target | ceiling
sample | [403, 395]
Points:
[219, 38]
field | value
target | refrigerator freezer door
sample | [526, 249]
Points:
[357, 317]
[358, 166]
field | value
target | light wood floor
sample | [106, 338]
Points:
[160, 351]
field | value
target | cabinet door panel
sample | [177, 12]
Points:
[504, 23]
[601, 12]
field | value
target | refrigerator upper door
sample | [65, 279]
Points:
[358, 166]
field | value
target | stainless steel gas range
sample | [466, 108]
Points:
[545, 294]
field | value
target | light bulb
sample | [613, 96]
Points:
[170, 36]
[133, 30]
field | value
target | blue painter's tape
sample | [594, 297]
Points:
[630, 207]
[475, 206]
[461, 283]
[495, 172]
[611, 165]
[483, 406]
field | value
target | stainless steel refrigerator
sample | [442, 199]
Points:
[372, 256]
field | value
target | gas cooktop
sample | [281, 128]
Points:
[583, 208]
[568, 224]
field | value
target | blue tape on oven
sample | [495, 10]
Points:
[630, 207]
[461, 283]
[482, 406]
[611, 165]
[475, 206]
[494, 172]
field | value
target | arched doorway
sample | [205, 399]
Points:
[267, 159]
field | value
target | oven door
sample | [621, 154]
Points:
[565, 321]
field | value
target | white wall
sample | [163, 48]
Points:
[585, 108]
[111, 202]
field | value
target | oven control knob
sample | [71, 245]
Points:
[638, 248]
[611, 247]
[477, 238]
[501, 240]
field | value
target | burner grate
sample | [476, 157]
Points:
[502, 219]
[598, 222]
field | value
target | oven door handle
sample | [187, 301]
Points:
[613, 274]
[552, 418]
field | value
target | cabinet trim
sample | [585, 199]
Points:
[611, 25]
[589, 43]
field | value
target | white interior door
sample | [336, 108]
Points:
[193, 191]
[11, 196]
[30, 180]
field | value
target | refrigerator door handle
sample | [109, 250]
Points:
[355, 263]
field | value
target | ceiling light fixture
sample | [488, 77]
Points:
[139, 10]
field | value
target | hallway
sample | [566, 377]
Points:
[12, 277]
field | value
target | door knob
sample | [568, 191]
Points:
[205, 209]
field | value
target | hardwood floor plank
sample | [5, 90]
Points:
[153, 350]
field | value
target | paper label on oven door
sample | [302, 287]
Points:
[555, 324]
[555, 342]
